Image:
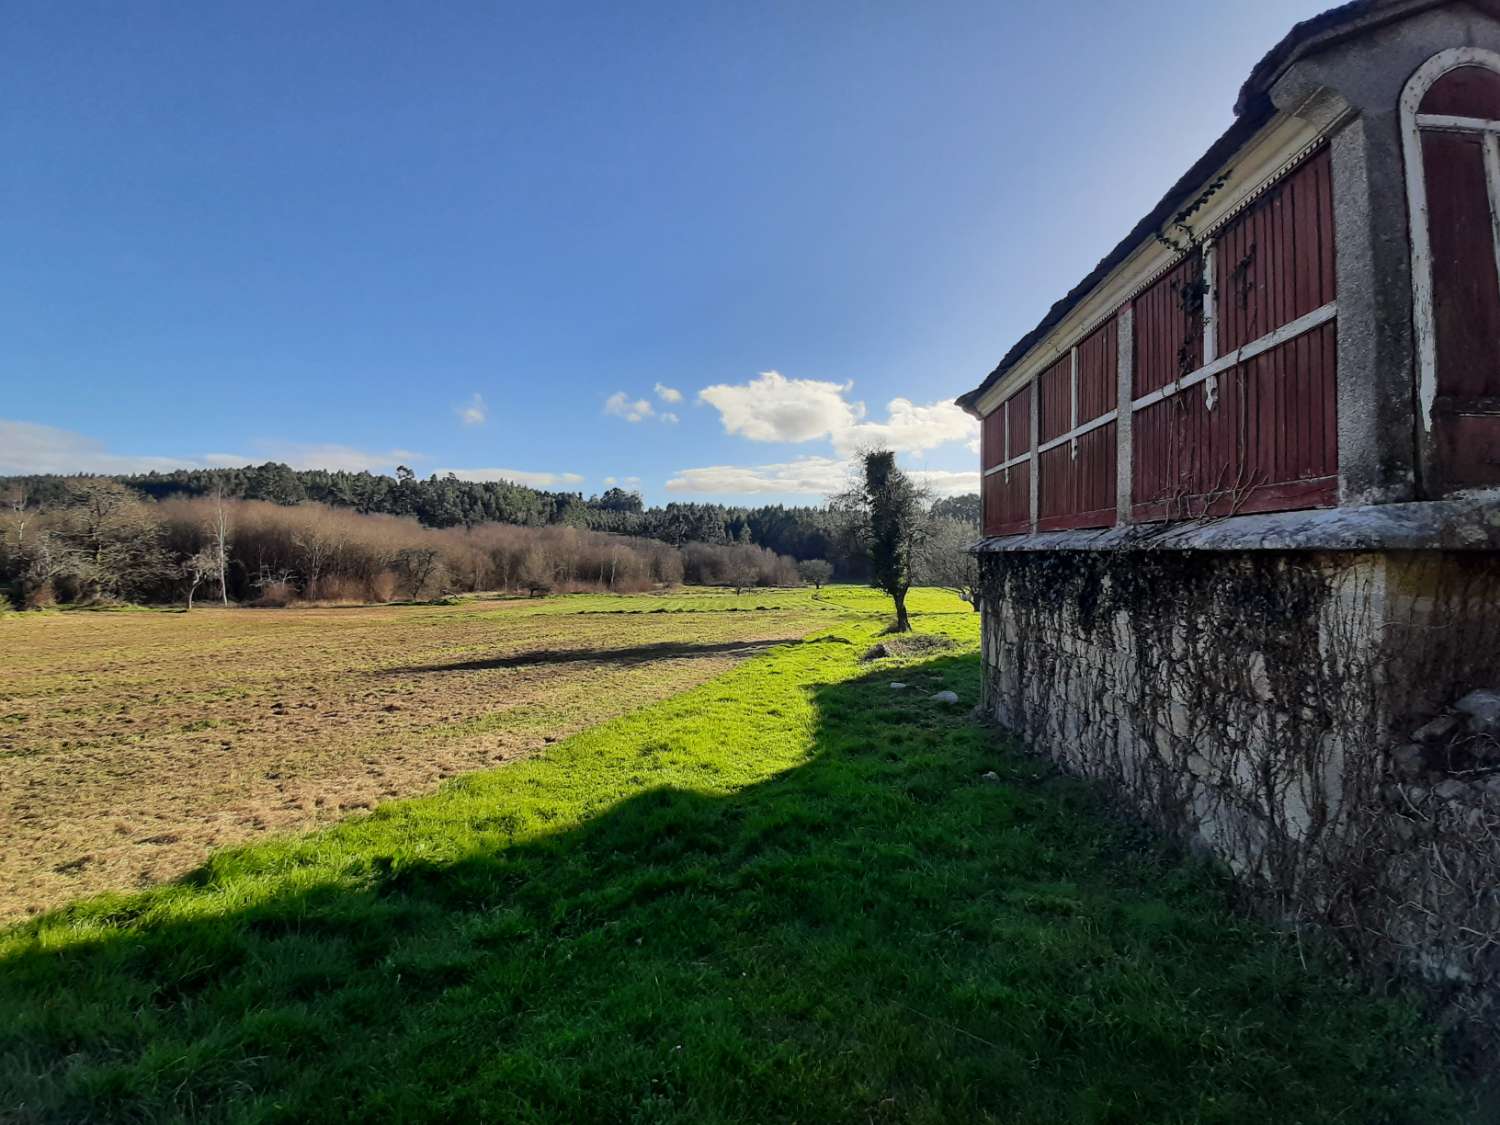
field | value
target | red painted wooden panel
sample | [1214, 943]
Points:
[1465, 309]
[1465, 288]
[992, 438]
[1079, 491]
[1468, 448]
[1469, 91]
[1098, 363]
[1270, 441]
[1275, 261]
[1169, 327]
[1020, 421]
[1007, 500]
[1055, 385]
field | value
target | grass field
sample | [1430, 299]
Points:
[132, 743]
[788, 893]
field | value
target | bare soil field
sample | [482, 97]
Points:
[132, 743]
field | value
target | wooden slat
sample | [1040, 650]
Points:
[1272, 430]
[1168, 328]
[1468, 91]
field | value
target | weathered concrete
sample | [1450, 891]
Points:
[1258, 703]
[1467, 524]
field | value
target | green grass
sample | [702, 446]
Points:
[787, 895]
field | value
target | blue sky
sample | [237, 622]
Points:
[702, 249]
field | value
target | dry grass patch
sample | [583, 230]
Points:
[133, 743]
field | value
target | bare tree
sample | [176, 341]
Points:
[219, 529]
[14, 500]
[196, 569]
[416, 568]
[947, 562]
[815, 571]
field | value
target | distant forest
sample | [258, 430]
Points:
[445, 502]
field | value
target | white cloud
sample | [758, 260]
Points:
[668, 394]
[818, 476]
[626, 483]
[809, 476]
[30, 447]
[515, 476]
[909, 428]
[474, 412]
[670, 418]
[946, 482]
[620, 405]
[773, 408]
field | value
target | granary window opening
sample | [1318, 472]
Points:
[1451, 114]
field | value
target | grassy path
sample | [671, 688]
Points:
[788, 894]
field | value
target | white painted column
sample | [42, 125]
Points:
[1124, 415]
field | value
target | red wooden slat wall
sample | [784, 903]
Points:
[1269, 443]
[1007, 494]
[1076, 485]
[1261, 435]
[1269, 440]
[1168, 328]
[1056, 388]
[1078, 491]
[1274, 262]
[1098, 362]
[1020, 421]
[992, 439]
[1007, 500]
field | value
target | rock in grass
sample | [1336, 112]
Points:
[1435, 729]
[898, 687]
[945, 697]
[991, 777]
[1483, 709]
[1410, 761]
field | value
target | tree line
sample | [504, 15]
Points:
[803, 532]
[95, 540]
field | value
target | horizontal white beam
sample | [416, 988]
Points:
[1011, 464]
[1079, 431]
[1451, 124]
[1273, 339]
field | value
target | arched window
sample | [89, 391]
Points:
[1450, 116]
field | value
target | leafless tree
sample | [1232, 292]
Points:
[417, 567]
[219, 529]
[196, 569]
[945, 560]
[815, 571]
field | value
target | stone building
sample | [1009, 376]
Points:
[1242, 554]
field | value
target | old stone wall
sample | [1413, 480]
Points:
[1262, 704]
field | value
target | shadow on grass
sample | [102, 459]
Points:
[635, 654]
[878, 934]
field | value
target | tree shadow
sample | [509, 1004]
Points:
[634, 654]
[914, 923]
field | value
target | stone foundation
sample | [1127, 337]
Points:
[1261, 704]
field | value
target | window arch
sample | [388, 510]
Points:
[1450, 120]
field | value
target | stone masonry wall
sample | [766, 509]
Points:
[1262, 704]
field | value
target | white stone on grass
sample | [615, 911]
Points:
[945, 697]
[1483, 708]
